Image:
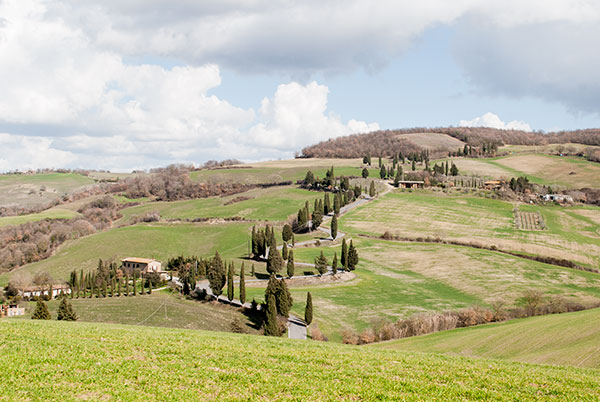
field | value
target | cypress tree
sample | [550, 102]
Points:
[365, 173]
[321, 263]
[134, 284]
[336, 203]
[104, 289]
[290, 264]
[254, 242]
[397, 178]
[383, 172]
[334, 263]
[113, 284]
[317, 219]
[283, 299]
[326, 204]
[252, 271]
[242, 285]
[82, 284]
[119, 287]
[372, 189]
[91, 287]
[380, 164]
[41, 311]
[230, 289]
[126, 284]
[142, 285]
[334, 227]
[271, 326]
[344, 257]
[216, 275]
[414, 165]
[286, 233]
[65, 311]
[293, 240]
[284, 251]
[274, 261]
[308, 311]
[352, 256]
[97, 292]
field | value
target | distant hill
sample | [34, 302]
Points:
[390, 142]
[565, 339]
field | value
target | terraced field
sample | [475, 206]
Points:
[572, 233]
[563, 339]
[80, 361]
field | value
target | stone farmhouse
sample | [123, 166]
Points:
[145, 265]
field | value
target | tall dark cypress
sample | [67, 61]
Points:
[344, 256]
[230, 289]
[271, 326]
[308, 311]
[334, 227]
[290, 264]
[242, 285]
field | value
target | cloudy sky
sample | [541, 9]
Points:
[122, 85]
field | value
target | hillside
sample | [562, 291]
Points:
[117, 362]
[160, 309]
[390, 142]
[563, 339]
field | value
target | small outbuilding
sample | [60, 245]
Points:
[37, 290]
[557, 197]
[11, 310]
[411, 184]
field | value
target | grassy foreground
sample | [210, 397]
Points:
[566, 339]
[82, 361]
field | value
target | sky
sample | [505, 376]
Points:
[123, 85]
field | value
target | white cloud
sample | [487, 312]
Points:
[87, 108]
[492, 120]
[296, 117]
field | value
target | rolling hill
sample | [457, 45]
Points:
[563, 339]
[79, 361]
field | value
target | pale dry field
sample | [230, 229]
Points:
[479, 167]
[486, 275]
[306, 163]
[433, 141]
[483, 221]
[556, 170]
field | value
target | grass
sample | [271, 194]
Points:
[573, 233]
[272, 204]
[396, 280]
[160, 309]
[79, 361]
[562, 339]
[54, 213]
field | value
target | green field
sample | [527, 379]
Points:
[160, 309]
[272, 204]
[53, 213]
[562, 339]
[396, 280]
[38, 189]
[277, 171]
[79, 361]
[573, 233]
[160, 241]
